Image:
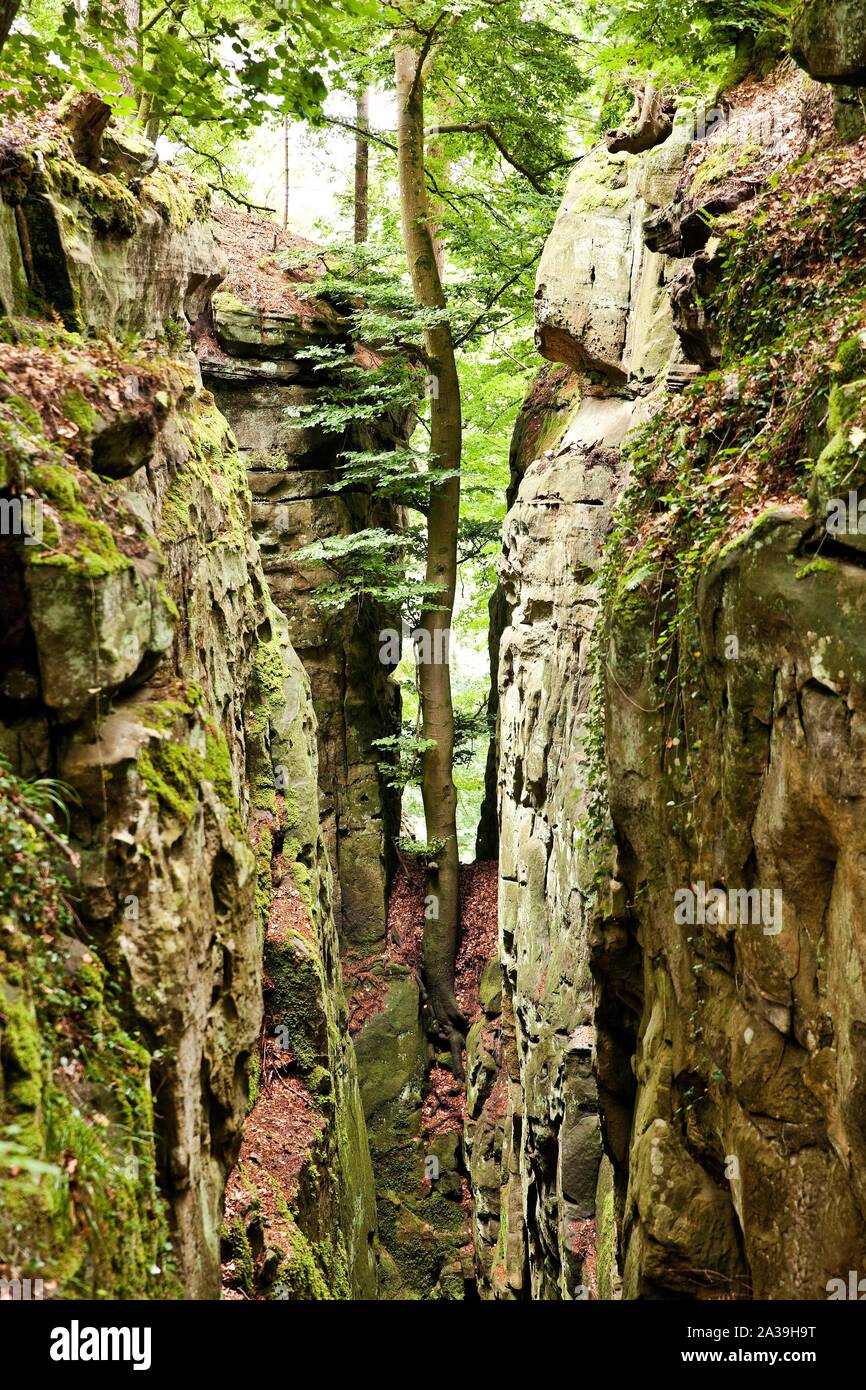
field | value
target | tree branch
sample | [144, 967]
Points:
[498, 295]
[359, 130]
[487, 128]
[222, 186]
[167, 8]
[424, 54]
[35, 819]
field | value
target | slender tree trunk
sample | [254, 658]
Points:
[438, 164]
[124, 53]
[146, 118]
[434, 676]
[285, 171]
[362, 166]
[8, 11]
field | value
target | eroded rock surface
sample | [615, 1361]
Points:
[725, 1056]
[260, 375]
[147, 666]
[606, 314]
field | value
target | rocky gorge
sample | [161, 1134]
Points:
[213, 1017]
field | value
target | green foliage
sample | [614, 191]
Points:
[381, 566]
[196, 64]
[420, 849]
[79, 1204]
[405, 754]
[684, 43]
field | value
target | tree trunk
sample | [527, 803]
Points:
[439, 166]
[362, 166]
[146, 118]
[649, 124]
[434, 677]
[8, 11]
[124, 50]
[86, 117]
[286, 172]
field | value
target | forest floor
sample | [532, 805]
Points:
[365, 983]
[285, 1121]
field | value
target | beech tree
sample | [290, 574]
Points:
[362, 165]
[180, 64]
[434, 675]
[8, 11]
[504, 82]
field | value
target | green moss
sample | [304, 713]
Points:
[303, 881]
[296, 971]
[241, 1252]
[606, 1248]
[109, 203]
[816, 566]
[75, 535]
[169, 773]
[214, 465]
[79, 411]
[179, 203]
[850, 359]
[254, 1081]
[302, 1276]
[224, 299]
[167, 601]
[724, 161]
[173, 771]
[79, 1204]
[264, 849]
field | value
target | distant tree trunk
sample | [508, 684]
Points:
[362, 167]
[434, 677]
[125, 55]
[146, 118]
[285, 171]
[8, 11]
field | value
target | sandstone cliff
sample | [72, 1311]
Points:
[148, 668]
[680, 694]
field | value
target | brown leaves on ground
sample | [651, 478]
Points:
[479, 931]
[70, 386]
[582, 1240]
[444, 1108]
[251, 244]
[768, 121]
[278, 1135]
[285, 1121]
[365, 976]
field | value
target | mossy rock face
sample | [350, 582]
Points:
[91, 565]
[608, 1284]
[93, 240]
[421, 1221]
[13, 276]
[838, 491]
[391, 1049]
[717, 618]
[76, 1110]
[321, 1247]
[293, 468]
[726, 1060]
[247, 332]
[491, 988]
[142, 643]
[188, 735]
[829, 41]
